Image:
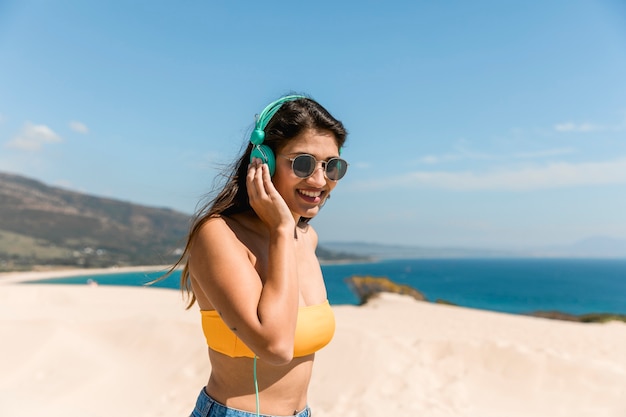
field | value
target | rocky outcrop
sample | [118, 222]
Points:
[367, 287]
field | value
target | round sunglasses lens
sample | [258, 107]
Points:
[304, 165]
[336, 168]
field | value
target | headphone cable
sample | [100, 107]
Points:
[256, 388]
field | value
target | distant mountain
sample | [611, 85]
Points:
[595, 247]
[382, 251]
[51, 226]
[330, 256]
[41, 224]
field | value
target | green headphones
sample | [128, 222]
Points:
[257, 137]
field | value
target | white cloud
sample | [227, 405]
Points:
[468, 155]
[573, 127]
[79, 127]
[588, 127]
[544, 153]
[460, 154]
[32, 137]
[554, 175]
[430, 159]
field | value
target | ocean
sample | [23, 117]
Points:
[519, 286]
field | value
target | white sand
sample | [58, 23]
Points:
[122, 351]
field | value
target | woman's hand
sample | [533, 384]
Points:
[266, 201]
[261, 305]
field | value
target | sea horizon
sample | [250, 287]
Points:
[518, 286]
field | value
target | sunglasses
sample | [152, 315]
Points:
[304, 166]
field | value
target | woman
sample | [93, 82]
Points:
[251, 264]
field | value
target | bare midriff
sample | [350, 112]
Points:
[282, 389]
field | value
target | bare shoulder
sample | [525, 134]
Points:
[215, 236]
[218, 254]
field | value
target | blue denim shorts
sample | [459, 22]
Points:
[208, 407]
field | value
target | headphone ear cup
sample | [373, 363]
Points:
[265, 154]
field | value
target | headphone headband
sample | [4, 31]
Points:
[257, 137]
[258, 134]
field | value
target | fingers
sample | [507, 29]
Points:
[261, 191]
[255, 179]
[264, 198]
[259, 199]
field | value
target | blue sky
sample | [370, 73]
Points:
[477, 124]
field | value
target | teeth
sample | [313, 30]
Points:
[310, 193]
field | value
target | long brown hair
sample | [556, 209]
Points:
[290, 120]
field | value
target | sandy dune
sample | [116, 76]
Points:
[119, 351]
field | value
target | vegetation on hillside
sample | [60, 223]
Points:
[367, 287]
[44, 225]
[47, 226]
[583, 318]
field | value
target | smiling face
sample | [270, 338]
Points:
[304, 195]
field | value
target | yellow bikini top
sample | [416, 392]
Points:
[314, 329]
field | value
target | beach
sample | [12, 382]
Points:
[70, 350]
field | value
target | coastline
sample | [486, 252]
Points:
[88, 276]
[35, 275]
[42, 273]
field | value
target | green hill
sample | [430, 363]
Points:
[45, 225]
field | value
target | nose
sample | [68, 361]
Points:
[318, 178]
